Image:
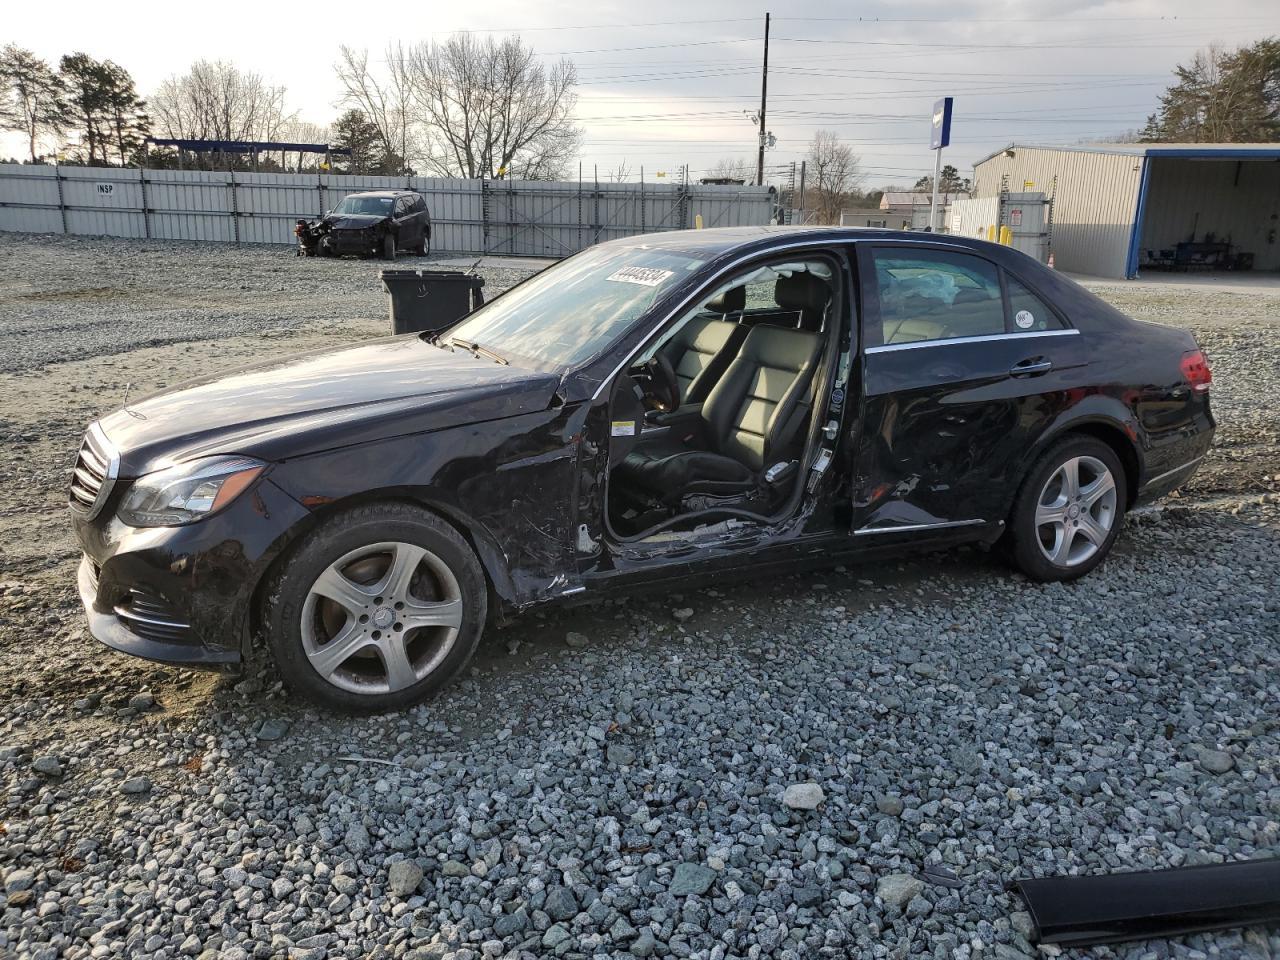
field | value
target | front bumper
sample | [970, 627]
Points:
[352, 241]
[182, 595]
[120, 633]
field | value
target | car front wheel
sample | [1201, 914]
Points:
[1069, 511]
[377, 610]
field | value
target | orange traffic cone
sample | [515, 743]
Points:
[1051, 266]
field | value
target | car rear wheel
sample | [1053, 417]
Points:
[377, 610]
[388, 247]
[1069, 511]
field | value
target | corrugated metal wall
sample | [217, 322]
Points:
[468, 216]
[1235, 200]
[1095, 199]
[974, 217]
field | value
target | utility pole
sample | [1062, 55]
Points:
[764, 97]
[800, 205]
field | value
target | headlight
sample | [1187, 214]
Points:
[188, 492]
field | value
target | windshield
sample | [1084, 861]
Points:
[378, 206]
[572, 311]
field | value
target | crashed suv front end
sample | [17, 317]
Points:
[336, 236]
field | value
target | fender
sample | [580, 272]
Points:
[1104, 416]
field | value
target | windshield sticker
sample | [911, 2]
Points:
[1024, 320]
[645, 276]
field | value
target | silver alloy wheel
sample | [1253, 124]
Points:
[381, 618]
[1076, 511]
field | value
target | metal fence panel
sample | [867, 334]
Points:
[523, 217]
[29, 198]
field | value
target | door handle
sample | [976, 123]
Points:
[1033, 365]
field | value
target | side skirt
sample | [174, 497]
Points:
[1078, 911]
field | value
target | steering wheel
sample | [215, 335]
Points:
[660, 383]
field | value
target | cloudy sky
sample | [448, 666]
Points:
[667, 82]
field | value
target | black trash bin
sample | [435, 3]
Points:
[430, 300]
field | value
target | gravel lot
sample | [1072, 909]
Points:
[756, 770]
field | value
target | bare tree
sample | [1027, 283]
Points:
[303, 131]
[490, 108]
[734, 168]
[31, 96]
[833, 174]
[619, 174]
[217, 101]
[385, 102]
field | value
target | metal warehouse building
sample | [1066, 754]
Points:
[1122, 208]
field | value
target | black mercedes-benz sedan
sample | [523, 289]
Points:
[652, 410]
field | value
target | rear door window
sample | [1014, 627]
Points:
[1027, 312]
[936, 295]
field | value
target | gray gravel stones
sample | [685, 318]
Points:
[47, 765]
[136, 785]
[356, 838]
[803, 796]
[889, 805]
[18, 880]
[691, 879]
[273, 728]
[453, 868]
[898, 889]
[1217, 761]
[403, 878]
[645, 944]
[1064, 727]
[561, 904]
[142, 701]
[620, 754]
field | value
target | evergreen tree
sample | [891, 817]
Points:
[1222, 97]
[30, 96]
[106, 112]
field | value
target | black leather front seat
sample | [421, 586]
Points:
[702, 349]
[805, 294]
[751, 418]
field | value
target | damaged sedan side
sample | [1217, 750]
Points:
[649, 411]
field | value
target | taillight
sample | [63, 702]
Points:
[1195, 368]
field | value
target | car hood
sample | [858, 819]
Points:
[315, 401]
[353, 221]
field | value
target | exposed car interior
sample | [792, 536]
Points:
[725, 399]
[924, 300]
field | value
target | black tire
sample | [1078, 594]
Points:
[286, 601]
[388, 247]
[1027, 547]
[424, 247]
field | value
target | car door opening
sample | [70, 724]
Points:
[714, 417]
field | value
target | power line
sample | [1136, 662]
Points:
[1090, 19]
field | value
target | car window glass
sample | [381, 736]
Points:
[1027, 311]
[936, 295]
[572, 311]
[358, 206]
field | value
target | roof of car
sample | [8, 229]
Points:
[384, 193]
[718, 240]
